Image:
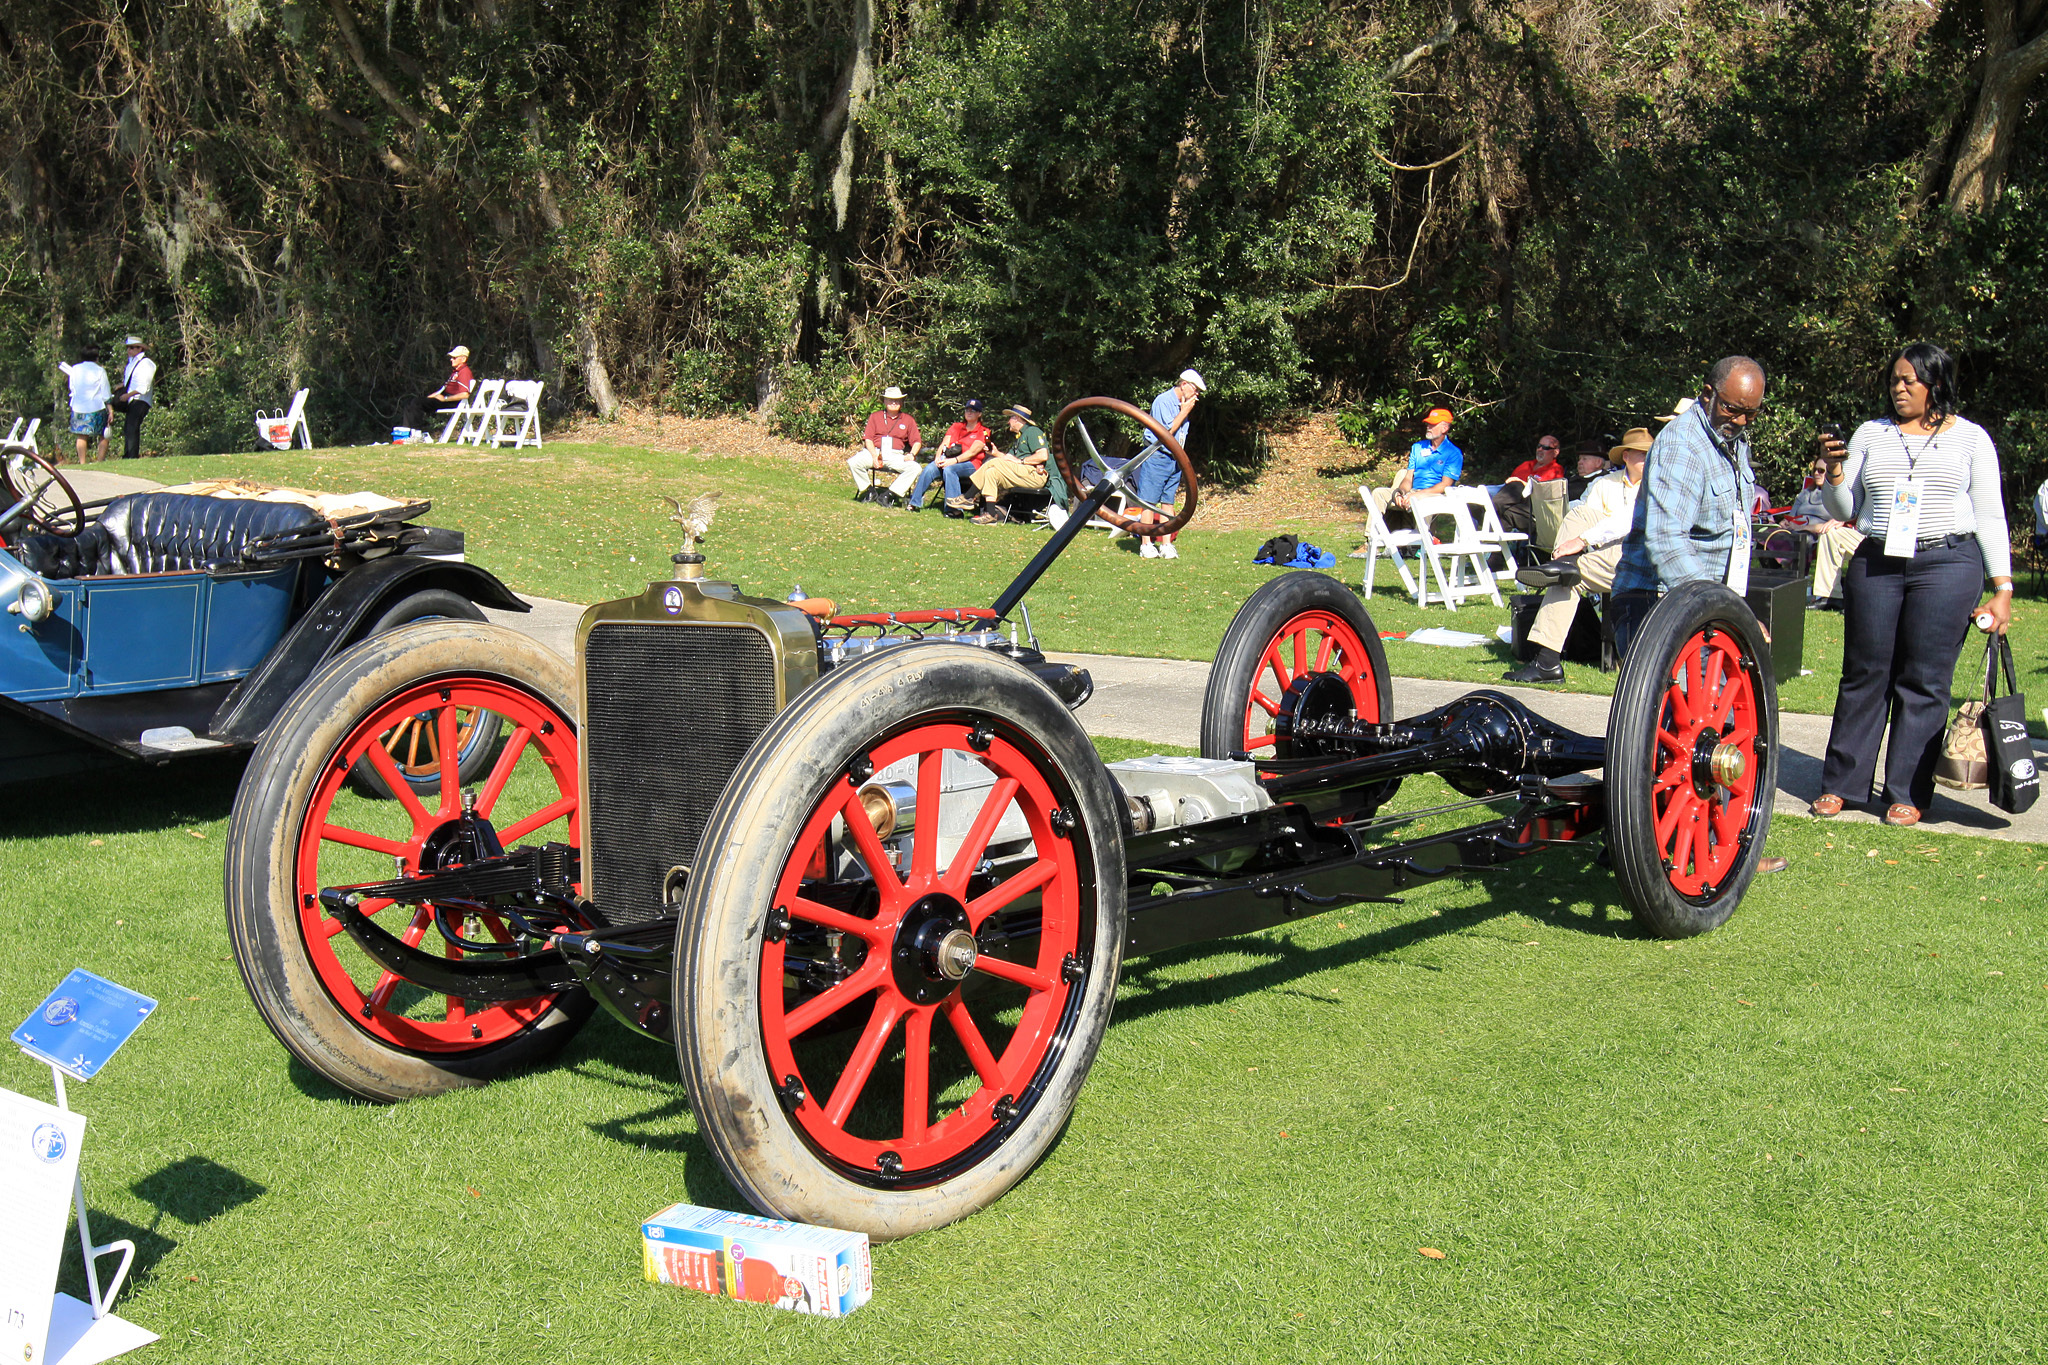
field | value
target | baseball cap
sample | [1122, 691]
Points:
[459, 353]
[892, 392]
[1437, 415]
[972, 404]
[1194, 377]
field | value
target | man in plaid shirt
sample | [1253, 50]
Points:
[1693, 514]
[1692, 517]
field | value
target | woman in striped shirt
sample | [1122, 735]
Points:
[1923, 486]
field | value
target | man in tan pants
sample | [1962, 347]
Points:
[1588, 551]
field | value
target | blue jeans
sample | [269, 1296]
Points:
[956, 476]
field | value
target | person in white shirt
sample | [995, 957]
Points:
[1925, 488]
[89, 394]
[137, 393]
[1589, 547]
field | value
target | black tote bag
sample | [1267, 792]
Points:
[2010, 754]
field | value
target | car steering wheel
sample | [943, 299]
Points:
[35, 495]
[1071, 414]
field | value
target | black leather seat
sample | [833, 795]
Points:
[163, 533]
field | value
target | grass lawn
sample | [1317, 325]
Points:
[584, 523]
[1817, 1134]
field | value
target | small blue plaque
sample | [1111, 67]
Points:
[81, 1025]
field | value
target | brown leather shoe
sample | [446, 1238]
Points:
[1827, 806]
[1901, 815]
[1765, 866]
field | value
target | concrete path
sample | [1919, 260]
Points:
[1159, 701]
[94, 482]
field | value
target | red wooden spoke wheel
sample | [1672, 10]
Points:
[1303, 639]
[1692, 750]
[916, 959]
[1705, 784]
[300, 825]
[418, 834]
[893, 979]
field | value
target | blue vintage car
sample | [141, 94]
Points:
[159, 624]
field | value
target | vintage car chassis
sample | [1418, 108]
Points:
[870, 879]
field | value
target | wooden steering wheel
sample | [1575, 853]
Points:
[44, 497]
[1173, 521]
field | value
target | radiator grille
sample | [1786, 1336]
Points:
[671, 711]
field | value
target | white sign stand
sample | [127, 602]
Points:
[37, 1143]
[77, 1338]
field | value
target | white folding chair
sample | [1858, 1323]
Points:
[457, 416]
[1486, 524]
[18, 439]
[1458, 564]
[285, 428]
[520, 406]
[1380, 540]
[480, 422]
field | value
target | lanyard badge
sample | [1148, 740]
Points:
[1902, 528]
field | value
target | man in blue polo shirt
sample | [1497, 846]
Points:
[1157, 479]
[1434, 463]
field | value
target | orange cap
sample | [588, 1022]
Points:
[1437, 415]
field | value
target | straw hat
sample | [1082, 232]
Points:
[1635, 439]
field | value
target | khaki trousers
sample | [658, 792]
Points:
[862, 466]
[1560, 604]
[1837, 544]
[1002, 473]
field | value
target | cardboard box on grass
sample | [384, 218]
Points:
[822, 1271]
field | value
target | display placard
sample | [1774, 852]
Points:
[38, 1169]
[83, 1023]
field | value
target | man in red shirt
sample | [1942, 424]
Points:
[888, 445]
[455, 390]
[1511, 498]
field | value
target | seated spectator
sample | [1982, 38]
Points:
[454, 390]
[888, 445]
[1026, 466]
[1511, 497]
[1834, 541]
[1434, 463]
[966, 444]
[1588, 463]
[1588, 551]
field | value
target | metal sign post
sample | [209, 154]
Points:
[75, 1031]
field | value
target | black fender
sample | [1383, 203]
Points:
[337, 620]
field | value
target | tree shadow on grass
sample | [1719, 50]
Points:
[130, 799]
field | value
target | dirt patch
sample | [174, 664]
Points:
[657, 430]
[1312, 476]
